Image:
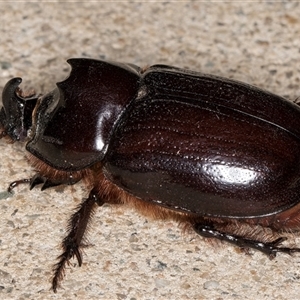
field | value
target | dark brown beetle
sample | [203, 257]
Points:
[220, 156]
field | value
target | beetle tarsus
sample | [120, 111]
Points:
[34, 181]
[272, 248]
[72, 243]
[268, 248]
[13, 184]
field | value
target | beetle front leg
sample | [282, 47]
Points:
[13, 184]
[268, 248]
[71, 244]
[34, 181]
[39, 179]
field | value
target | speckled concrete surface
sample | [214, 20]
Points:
[131, 257]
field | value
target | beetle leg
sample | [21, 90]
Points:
[36, 180]
[268, 248]
[46, 183]
[13, 184]
[71, 244]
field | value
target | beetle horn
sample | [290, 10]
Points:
[16, 113]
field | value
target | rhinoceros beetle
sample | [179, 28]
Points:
[220, 156]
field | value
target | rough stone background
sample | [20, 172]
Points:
[132, 257]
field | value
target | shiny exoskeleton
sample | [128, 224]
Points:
[217, 155]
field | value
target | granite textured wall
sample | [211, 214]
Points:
[130, 256]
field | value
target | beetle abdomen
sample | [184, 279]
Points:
[204, 158]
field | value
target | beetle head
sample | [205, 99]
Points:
[16, 112]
